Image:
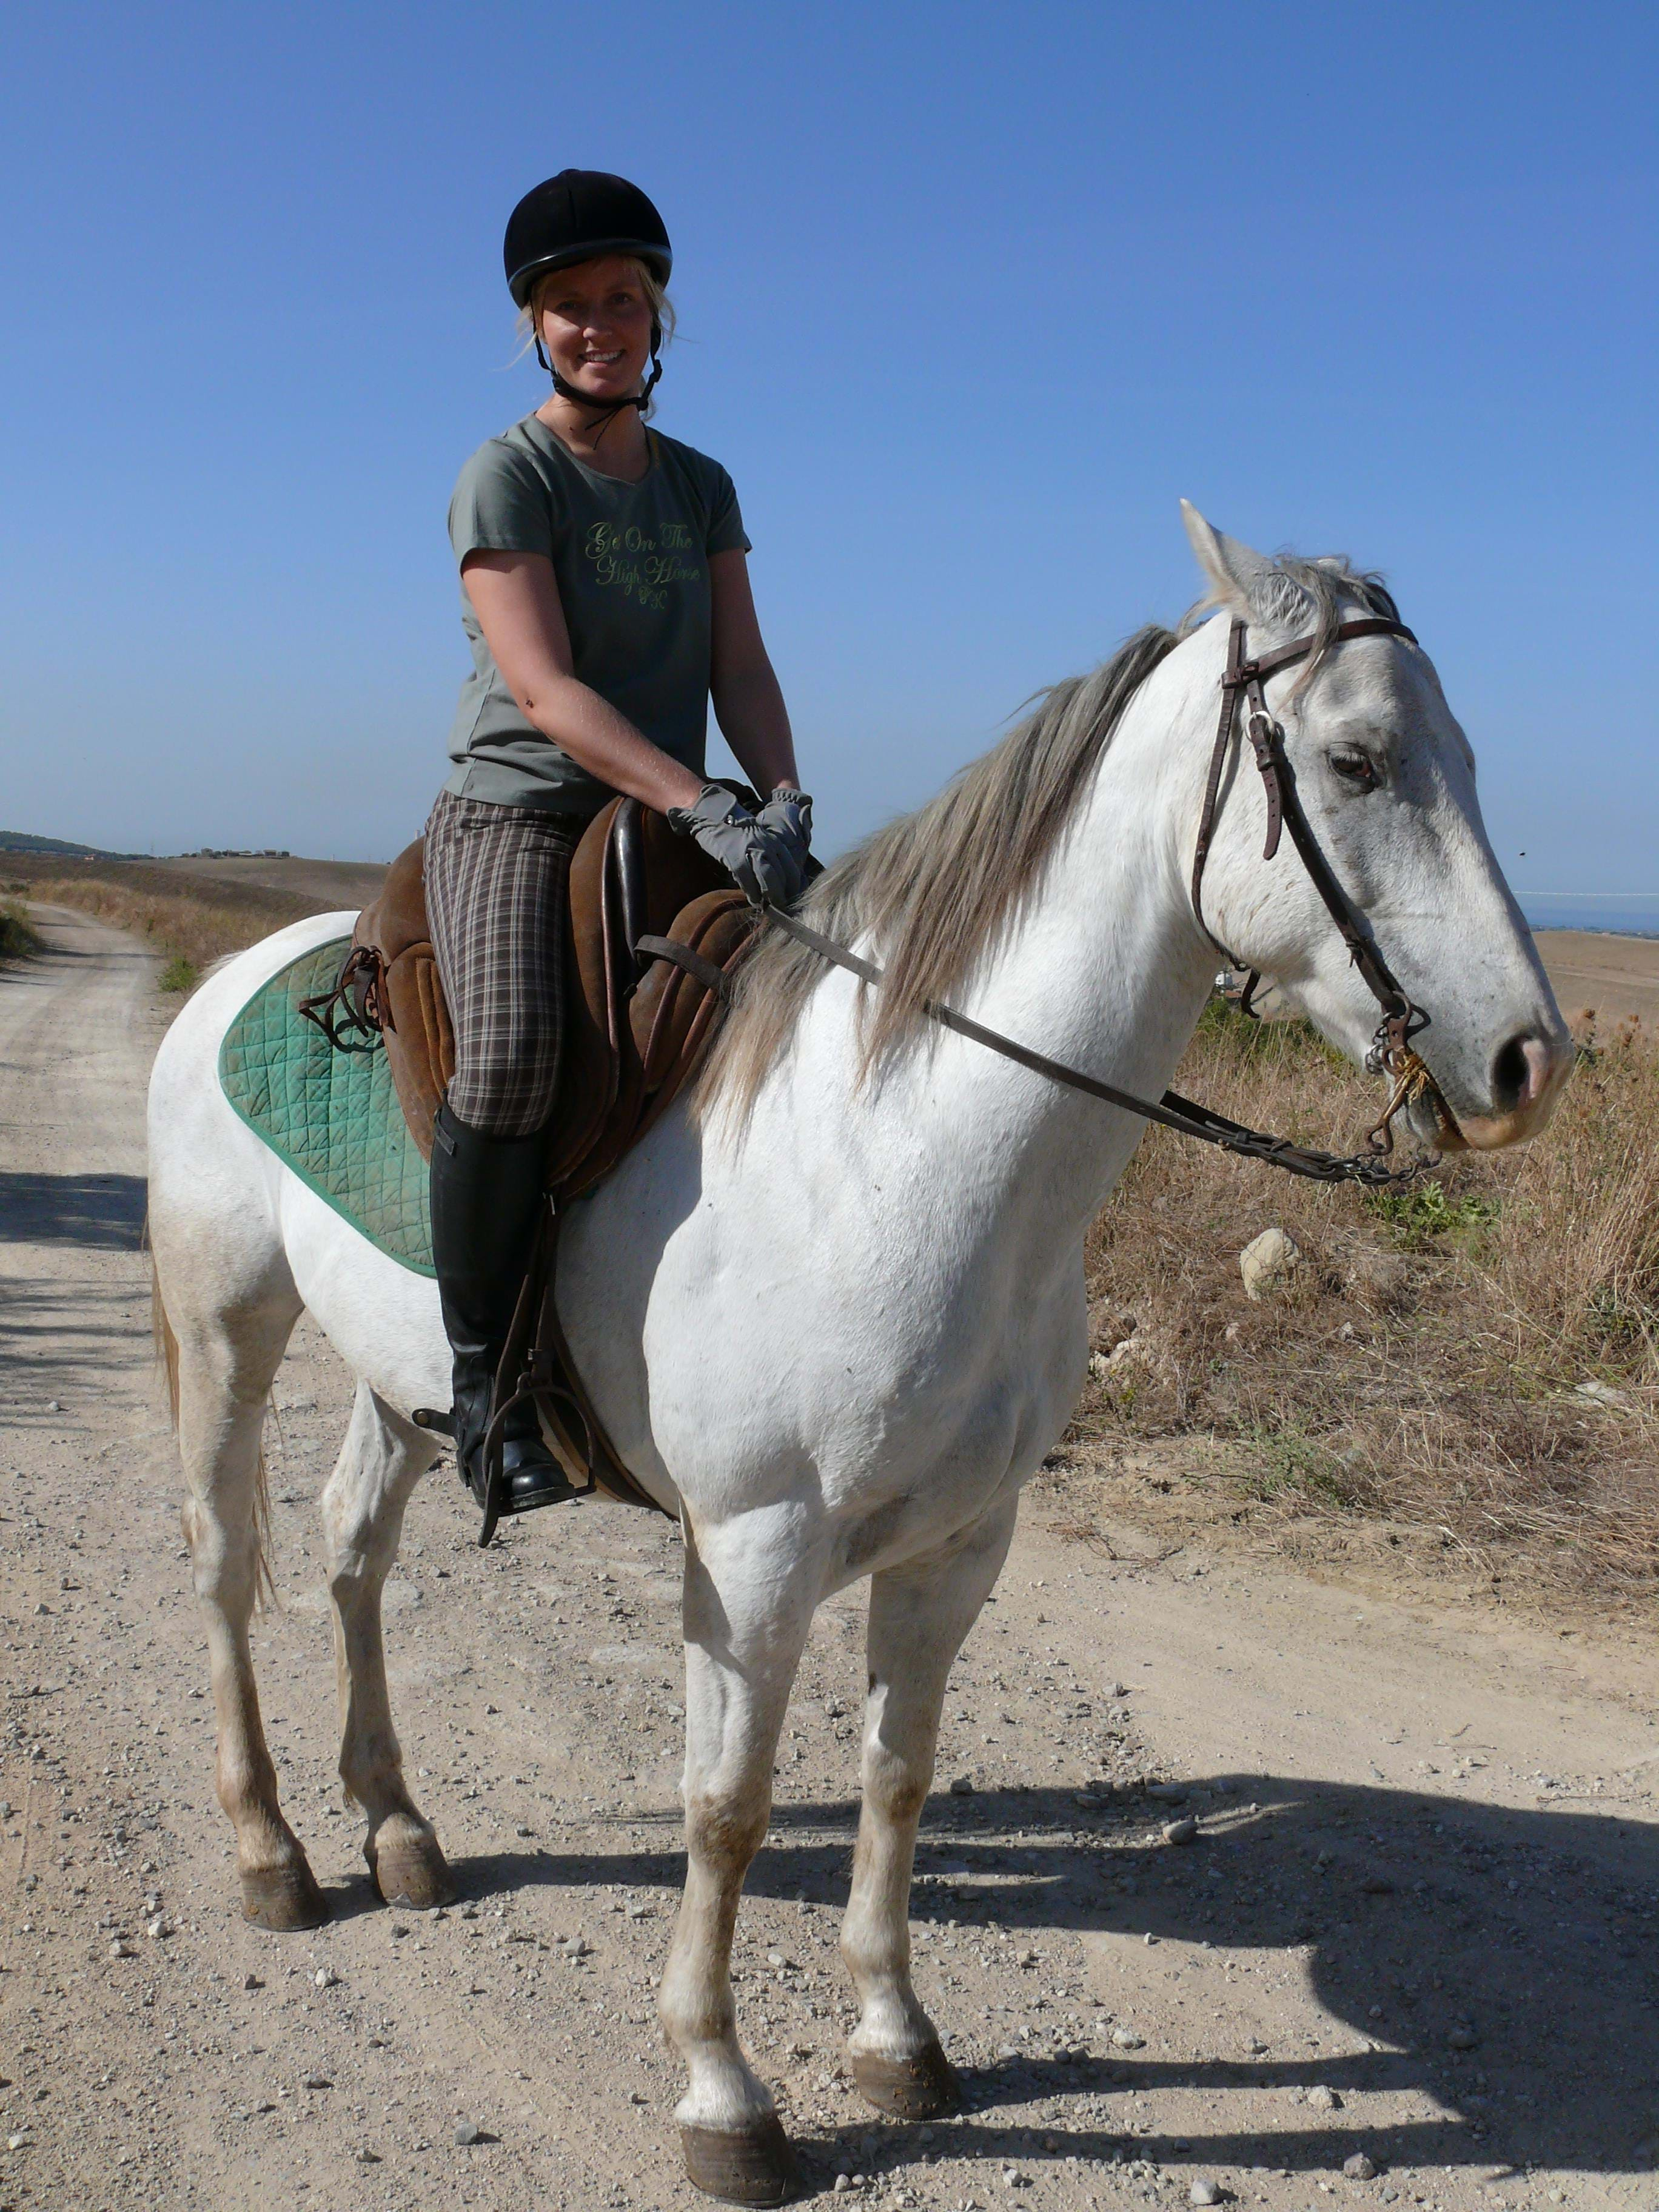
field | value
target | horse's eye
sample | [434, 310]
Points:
[1355, 767]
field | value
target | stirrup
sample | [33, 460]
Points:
[488, 1477]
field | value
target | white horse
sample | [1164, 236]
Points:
[832, 1309]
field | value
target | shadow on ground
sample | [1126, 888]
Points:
[105, 1210]
[61, 1337]
[1499, 1963]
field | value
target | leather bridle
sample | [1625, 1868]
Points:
[1391, 1051]
[1246, 679]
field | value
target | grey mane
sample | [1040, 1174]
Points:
[936, 891]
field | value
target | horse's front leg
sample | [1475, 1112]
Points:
[747, 1604]
[919, 1616]
[382, 1459]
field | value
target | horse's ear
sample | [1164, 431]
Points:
[1243, 581]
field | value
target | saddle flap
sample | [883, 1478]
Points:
[412, 1017]
[671, 1010]
[396, 918]
[420, 1044]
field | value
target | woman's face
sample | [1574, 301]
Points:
[596, 325]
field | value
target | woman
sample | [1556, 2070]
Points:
[605, 592]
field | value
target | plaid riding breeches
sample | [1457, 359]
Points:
[497, 879]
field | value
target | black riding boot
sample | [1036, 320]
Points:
[486, 1196]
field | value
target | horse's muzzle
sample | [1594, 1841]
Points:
[1527, 1073]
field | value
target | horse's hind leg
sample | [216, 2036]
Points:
[382, 1459]
[919, 1616]
[747, 1609]
[223, 1353]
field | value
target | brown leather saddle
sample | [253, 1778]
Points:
[655, 929]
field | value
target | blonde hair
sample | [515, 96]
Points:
[656, 298]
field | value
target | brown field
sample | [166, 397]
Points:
[326, 884]
[1472, 1366]
[194, 912]
[1613, 976]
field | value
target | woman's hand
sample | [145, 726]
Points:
[789, 811]
[768, 859]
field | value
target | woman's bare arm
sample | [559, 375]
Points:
[748, 700]
[516, 596]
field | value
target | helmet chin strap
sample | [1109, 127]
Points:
[608, 409]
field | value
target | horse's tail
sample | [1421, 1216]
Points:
[167, 1359]
[166, 1344]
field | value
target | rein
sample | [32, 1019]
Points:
[1391, 1050]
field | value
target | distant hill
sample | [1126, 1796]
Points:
[19, 841]
[300, 886]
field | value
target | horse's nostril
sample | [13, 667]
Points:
[1513, 1073]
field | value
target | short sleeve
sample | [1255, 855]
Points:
[725, 530]
[501, 504]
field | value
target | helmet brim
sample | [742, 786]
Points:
[654, 256]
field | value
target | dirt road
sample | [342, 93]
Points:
[1418, 1928]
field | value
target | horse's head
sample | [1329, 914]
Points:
[1386, 779]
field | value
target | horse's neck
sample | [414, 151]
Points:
[1105, 970]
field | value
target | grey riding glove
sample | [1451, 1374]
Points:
[767, 857]
[790, 812]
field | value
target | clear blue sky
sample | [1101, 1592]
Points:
[970, 296]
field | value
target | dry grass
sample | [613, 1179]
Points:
[1428, 1367]
[17, 935]
[192, 921]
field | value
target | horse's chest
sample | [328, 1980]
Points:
[968, 1383]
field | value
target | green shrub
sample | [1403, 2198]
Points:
[1425, 1212]
[1285, 1460]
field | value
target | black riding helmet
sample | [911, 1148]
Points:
[579, 216]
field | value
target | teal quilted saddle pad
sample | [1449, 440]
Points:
[334, 1117]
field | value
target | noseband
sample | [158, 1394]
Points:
[1390, 1050]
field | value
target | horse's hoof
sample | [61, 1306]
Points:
[918, 2088]
[283, 1897]
[412, 1871]
[753, 2166]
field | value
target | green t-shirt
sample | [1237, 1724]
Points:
[631, 561]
